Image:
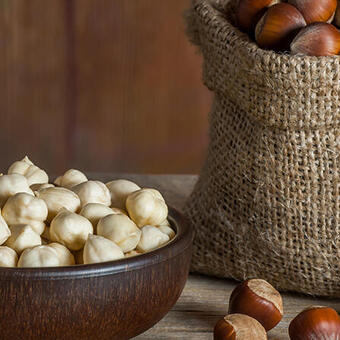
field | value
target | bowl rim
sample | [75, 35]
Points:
[182, 240]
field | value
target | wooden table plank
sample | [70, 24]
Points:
[205, 299]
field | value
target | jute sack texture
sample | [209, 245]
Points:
[267, 201]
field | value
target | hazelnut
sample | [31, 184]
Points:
[319, 39]
[12, 184]
[5, 233]
[23, 208]
[151, 238]
[39, 256]
[239, 327]
[66, 258]
[94, 212]
[249, 12]
[120, 189]
[26, 168]
[259, 300]
[133, 253]
[121, 230]
[99, 249]
[22, 237]
[93, 192]
[70, 229]
[146, 207]
[58, 198]
[315, 10]
[70, 179]
[41, 186]
[165, 228]
[315, 323]
[8, 257]
[336, 20]
[278, 27]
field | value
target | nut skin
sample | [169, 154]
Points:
[315, 322]
[249, 12]
[318, 39]
[315, 10]
[239, 327]
[263, 303]
[278, 27]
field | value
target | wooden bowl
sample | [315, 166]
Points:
[112, 300]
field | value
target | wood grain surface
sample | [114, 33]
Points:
[205, 299]
[101, 85]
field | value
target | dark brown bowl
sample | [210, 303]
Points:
[112, 300]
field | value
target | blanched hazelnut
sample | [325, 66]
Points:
[121, 230]
[165, 228]
[147, 207]
[94, 212]
[120, 189]
[70, 179]
[26, 168]
[5, 233]
[39, 256]
[12, 184]
[151, 238]
[8, 257]
[66, 258]
[58, 198]
[133, 253]
[23, 208]
[22, 237]
[41, 186]
[99, 249]
[93, 192]
[70, 229]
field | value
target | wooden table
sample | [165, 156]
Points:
[205, 299]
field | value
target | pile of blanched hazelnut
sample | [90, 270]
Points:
[76, 220]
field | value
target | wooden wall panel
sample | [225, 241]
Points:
[33, 82]
[101, 85]
[140, 103]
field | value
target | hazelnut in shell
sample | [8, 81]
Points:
[318, 39]
[239, 327]
[315, 322]
[315, 10]
[278, 27]
[259, 300]
[249, 12]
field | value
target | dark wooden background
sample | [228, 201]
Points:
[101, 85]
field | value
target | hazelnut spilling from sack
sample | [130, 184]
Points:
[267, 201]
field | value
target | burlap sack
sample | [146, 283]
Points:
[267, 201]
